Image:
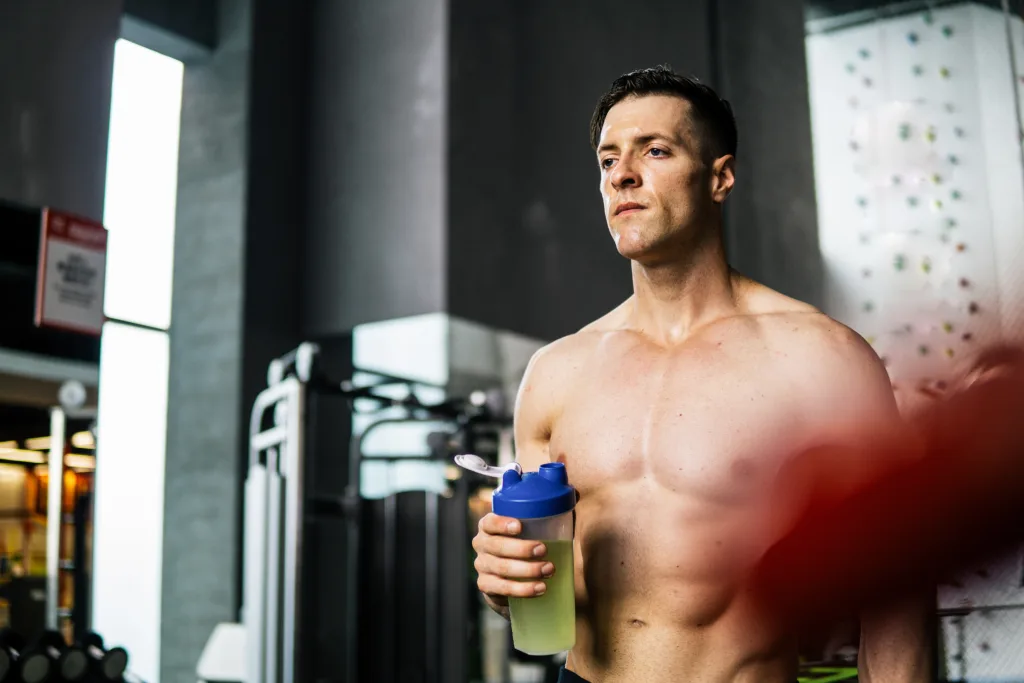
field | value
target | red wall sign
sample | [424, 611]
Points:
[72, 272]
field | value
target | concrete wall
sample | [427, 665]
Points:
[377, 162]
[771, 222]
[529, 248]
[56, 60]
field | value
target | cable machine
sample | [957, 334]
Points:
[313, 613]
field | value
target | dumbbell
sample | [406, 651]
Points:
[51, 659]
[109, 665]
[11, 647]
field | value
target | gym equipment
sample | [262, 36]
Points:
[50, 658]
[108, 665]
[11, 647]
[285, 501]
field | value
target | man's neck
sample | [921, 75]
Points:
[673, 298]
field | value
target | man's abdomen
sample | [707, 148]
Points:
[661, 596]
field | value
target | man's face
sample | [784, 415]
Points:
[657, 190]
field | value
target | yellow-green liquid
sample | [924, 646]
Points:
[546, 624]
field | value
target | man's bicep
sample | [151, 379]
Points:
[532, 417]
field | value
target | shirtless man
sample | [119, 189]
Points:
[676, 414]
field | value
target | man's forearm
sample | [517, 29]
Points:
[898, 643]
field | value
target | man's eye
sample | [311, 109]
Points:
[657, 152]
[606, 163]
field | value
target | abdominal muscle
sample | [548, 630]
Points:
[661, 597]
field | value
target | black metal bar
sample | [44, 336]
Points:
[391, 615]
[431, 587]
[80, 616]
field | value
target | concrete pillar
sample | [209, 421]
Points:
[202, 486]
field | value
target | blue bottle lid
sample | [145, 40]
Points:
[544, 493]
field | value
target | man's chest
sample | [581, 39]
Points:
[715, 428]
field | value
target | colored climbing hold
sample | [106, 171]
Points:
[850, 68]
[869, 340]
[950, 222]
[868, 307]
[912, 38]
[944, 71]
[923, 350]
[965, 283]
[947, 326]
[947, 31]
[954, 159]
[862, 201]
[929, 134]
[899, 262]
[864, 54]
[885, 361]
[949, 107]
[955, 194]
[912, 201]
[866, 272]
[961, 247]
[967, 336]
[944, 238]
[926, 265]
[867, 82]
[958, 131]
[949, 353]
[904, 131]
[928, 17]
[937, 204]
[918, 70]
[973, 308]
[896, 180]
[936, 178]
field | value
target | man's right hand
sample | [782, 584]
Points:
[505, 564]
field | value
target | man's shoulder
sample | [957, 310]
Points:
[792, 326]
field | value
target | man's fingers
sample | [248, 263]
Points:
[512, 548]
[513, 569]
[494, 585]
[502, 526]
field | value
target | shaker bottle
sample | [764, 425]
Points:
[543, 502]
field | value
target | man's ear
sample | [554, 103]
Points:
[723, 177]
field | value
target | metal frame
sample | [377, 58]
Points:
[273, 533]
[276, 507]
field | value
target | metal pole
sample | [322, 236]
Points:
[294, 492]
[272, 588]
[431, 588]
[391, 589]
[54, 515]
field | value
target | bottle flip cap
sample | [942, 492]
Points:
[533, 495]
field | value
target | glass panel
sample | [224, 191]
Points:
[142, 174]
[128, 536]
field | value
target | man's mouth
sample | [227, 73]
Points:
[628, 207]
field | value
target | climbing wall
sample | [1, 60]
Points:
[919, 188]
[920, 191]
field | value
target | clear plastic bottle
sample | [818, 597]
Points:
[543, 501]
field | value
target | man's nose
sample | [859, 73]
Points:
[625, 173]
